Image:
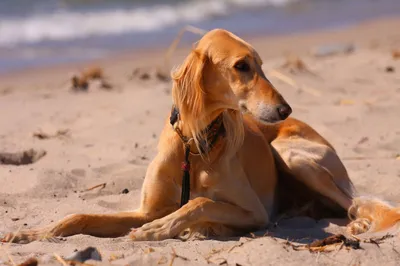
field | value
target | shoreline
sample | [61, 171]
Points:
[281, 44]
[301, 16]
[111, 136]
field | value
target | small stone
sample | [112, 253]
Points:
[89, 253]
[125, 191]
[30, 262]
[389, 69]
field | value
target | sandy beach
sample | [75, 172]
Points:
[109, 137]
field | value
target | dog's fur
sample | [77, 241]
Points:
[234, 188]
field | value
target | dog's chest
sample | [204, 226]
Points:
[204, 184]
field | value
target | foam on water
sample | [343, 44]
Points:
[67, 25]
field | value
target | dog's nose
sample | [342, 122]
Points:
[284, 111]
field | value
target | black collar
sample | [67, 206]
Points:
[212, 132]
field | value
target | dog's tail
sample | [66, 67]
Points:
[372, 215]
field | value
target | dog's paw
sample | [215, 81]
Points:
[160, 229]
[26, 236]
[359, 226]
[20, 238]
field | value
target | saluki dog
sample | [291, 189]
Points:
[239, 154]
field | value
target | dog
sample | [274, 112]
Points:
[238, 151]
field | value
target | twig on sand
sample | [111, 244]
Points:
[240, 244]
[337, 242]
[61, 260]
[212, 253]
[328, 244]
[40, 134]
[378, 240]
[235, 246]
[293, 83]
[7, 246]
[101, 186]
[223, 262]
[174, 255]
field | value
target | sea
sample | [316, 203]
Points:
[37, 33]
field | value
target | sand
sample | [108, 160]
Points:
[110, 137]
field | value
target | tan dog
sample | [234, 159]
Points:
[234, 183]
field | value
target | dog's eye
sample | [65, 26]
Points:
[242, 66]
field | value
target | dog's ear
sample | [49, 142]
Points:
[188, 91]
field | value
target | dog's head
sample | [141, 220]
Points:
[227, 71]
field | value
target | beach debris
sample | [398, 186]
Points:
[379, 240]
[82, 81]
[29, 262]
[332, 49]
[148, 250]
[79, 84]
[162, 76]
[125, 191]
[362, 140]
[21, 158]
[62, 261]
[396, 54]
[114, 257]
[101, 186]
[140, 74]
[174, 256]
[328, 244]
[145, 74]
[294, 64]
[335, 239]
[337, 242]
[89, 253]
[41, 134]
[389, 69]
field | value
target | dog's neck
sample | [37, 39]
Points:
[213, 132]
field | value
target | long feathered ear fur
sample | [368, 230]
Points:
[188, 93]
[190, 97]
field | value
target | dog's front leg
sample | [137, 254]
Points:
[159, 198]
[200, 211]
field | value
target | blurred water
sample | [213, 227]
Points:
[44, 32]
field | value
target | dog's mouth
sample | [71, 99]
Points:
[270, 118]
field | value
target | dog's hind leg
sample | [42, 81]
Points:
[372, 215]
[318, 167]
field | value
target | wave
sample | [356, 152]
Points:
[68, 25]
